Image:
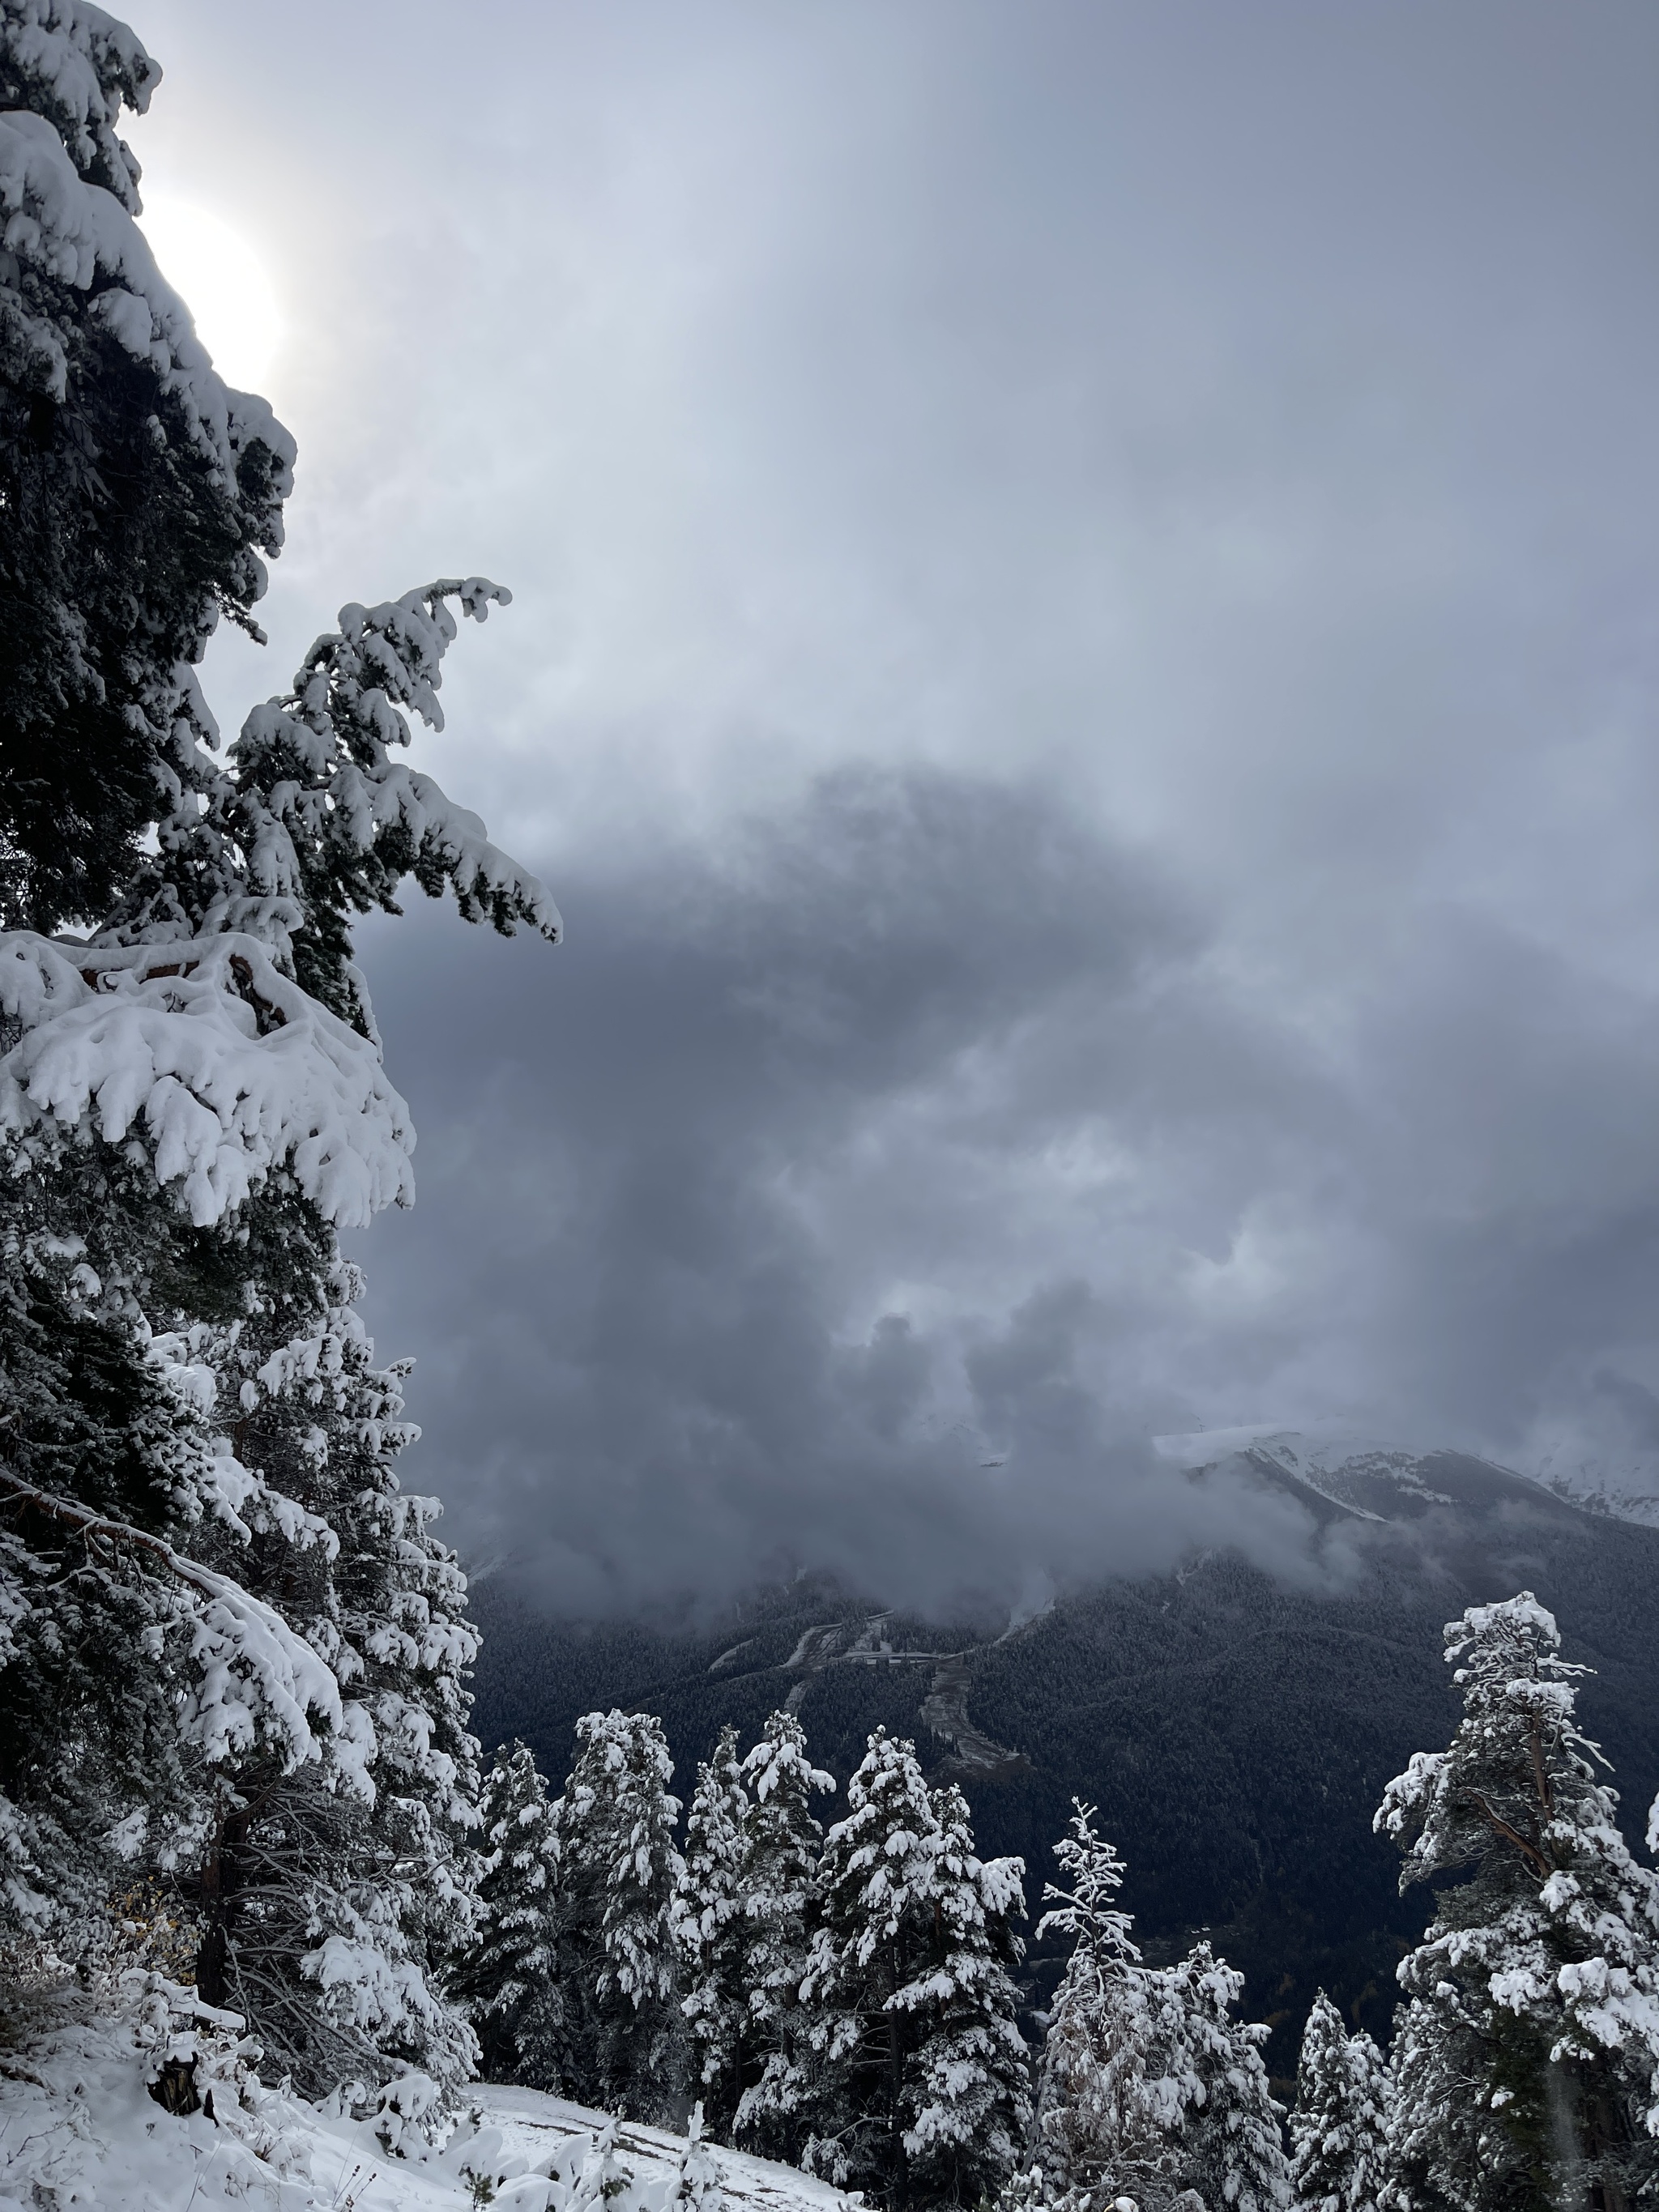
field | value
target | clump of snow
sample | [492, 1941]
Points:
[79, 66]
[218, 1063]
[81, 2123]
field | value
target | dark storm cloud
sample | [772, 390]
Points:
[688, 1175]
[869, 1201]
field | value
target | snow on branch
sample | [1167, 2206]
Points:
[257, 1680]
[331, 797]
[220, 1064]
[79, 67]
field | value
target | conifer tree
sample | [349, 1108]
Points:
[914, 2085]
[1339, 2127]
[603, 2177]
[777, 1888]
[711, 1934]
[233, 1649]
[1148, 2086]
[508, 1976]
[1095, 2130]
[875, 1887]
[699, 2185]
[971, 2108]
[1225, 2143]
[1524, 2066]
[331, 1897]
[619, 1875]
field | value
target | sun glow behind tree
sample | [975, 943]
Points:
[233, 300]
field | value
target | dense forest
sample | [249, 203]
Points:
[1235, 1732]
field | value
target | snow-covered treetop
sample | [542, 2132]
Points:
[880, 1856]
[1507, 1645]
[1518, 1769]
[80, 235]
[617, 1744]
[1087, 1912]
[778, 1765]
[78, 67]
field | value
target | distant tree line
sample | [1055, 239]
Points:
[845, 2000]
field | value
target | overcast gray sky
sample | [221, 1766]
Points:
[1083, 670]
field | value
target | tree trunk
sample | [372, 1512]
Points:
[217, 1887]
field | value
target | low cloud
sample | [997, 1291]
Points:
[865, 1195]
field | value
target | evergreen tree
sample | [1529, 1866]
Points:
[235, 1650]
[508, 1977]
[711, 1934]
[619, 1874]
[1225, 2144]
[699, 2185]
[971, 2108]
[1524, 2065]
[913, 2069]
[777, 1886]
[875, 1889]
[1148, 2086]
[1339, 2128]
[331, 1897]
[603, 2177]
[1097, 2134]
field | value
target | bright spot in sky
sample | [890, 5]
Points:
[223, 284]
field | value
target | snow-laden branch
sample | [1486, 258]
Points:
[224, 1066]
[258, 1680]
[318, 780]
[79, 67]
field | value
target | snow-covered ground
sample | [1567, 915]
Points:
[80, 2128]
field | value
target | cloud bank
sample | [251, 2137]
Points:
[1082, 670]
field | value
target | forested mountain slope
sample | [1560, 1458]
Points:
[1237, 1732]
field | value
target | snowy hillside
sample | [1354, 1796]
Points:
[79, 2126]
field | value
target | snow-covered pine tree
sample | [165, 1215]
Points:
[875, 1884]
[331, 1895]
[1209, 2087]
[1524, 2067]
[1338, 2126]
[619, 1874]
[1095, 2132]
[135, 488]
[700, 2185]
[508, 1976]
[235, 1650]
[711, 1934]
[912, 2084]
[1148, 2087]
[777, 1883]
[603, 2177]
[970, 2102]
